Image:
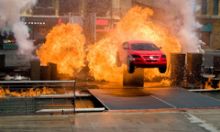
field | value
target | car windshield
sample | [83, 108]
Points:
[144, 46]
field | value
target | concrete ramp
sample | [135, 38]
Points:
[152, 98]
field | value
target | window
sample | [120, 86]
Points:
[100, 7]
[204, 7]
[44, 7]
[142, 46]
[44, 3]
[69, 6]
[215, 7]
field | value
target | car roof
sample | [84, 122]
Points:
[139, 41]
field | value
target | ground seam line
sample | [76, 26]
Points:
[164, 101]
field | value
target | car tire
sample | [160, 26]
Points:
[162, 69]
[131, 68]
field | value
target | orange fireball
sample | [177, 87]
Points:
[65, 47]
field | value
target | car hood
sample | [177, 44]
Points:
[146, 52]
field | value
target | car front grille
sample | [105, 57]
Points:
[151, 57]
[151, 60]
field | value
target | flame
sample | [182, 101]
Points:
[65, 47]
[137, 24]
[2, 92]
[28, 93]
[208, 84]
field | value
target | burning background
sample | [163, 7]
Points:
[174, 29]
[137, 24]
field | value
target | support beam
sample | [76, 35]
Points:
[177, 68]
[35, 69]
[53, 71]
[45, 73]
[194, 63]
[135, 79]
[2, 62]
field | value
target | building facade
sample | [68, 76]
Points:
[99, 16]
[96, 16]
[209, 16]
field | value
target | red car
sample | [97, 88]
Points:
[141, 54]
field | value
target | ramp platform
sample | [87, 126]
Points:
[152, 98]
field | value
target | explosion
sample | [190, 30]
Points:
[64, 46]
[137, 24]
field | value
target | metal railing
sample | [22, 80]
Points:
[28, 105]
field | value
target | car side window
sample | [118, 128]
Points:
[125, 45]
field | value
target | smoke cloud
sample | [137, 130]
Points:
[180, 16]
[10, 17]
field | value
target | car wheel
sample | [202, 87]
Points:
[162, 69]
[131, 68]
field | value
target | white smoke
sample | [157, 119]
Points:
[10, 11]
[180, 16]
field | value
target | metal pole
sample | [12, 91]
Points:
[74, 97]
[111, 14]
